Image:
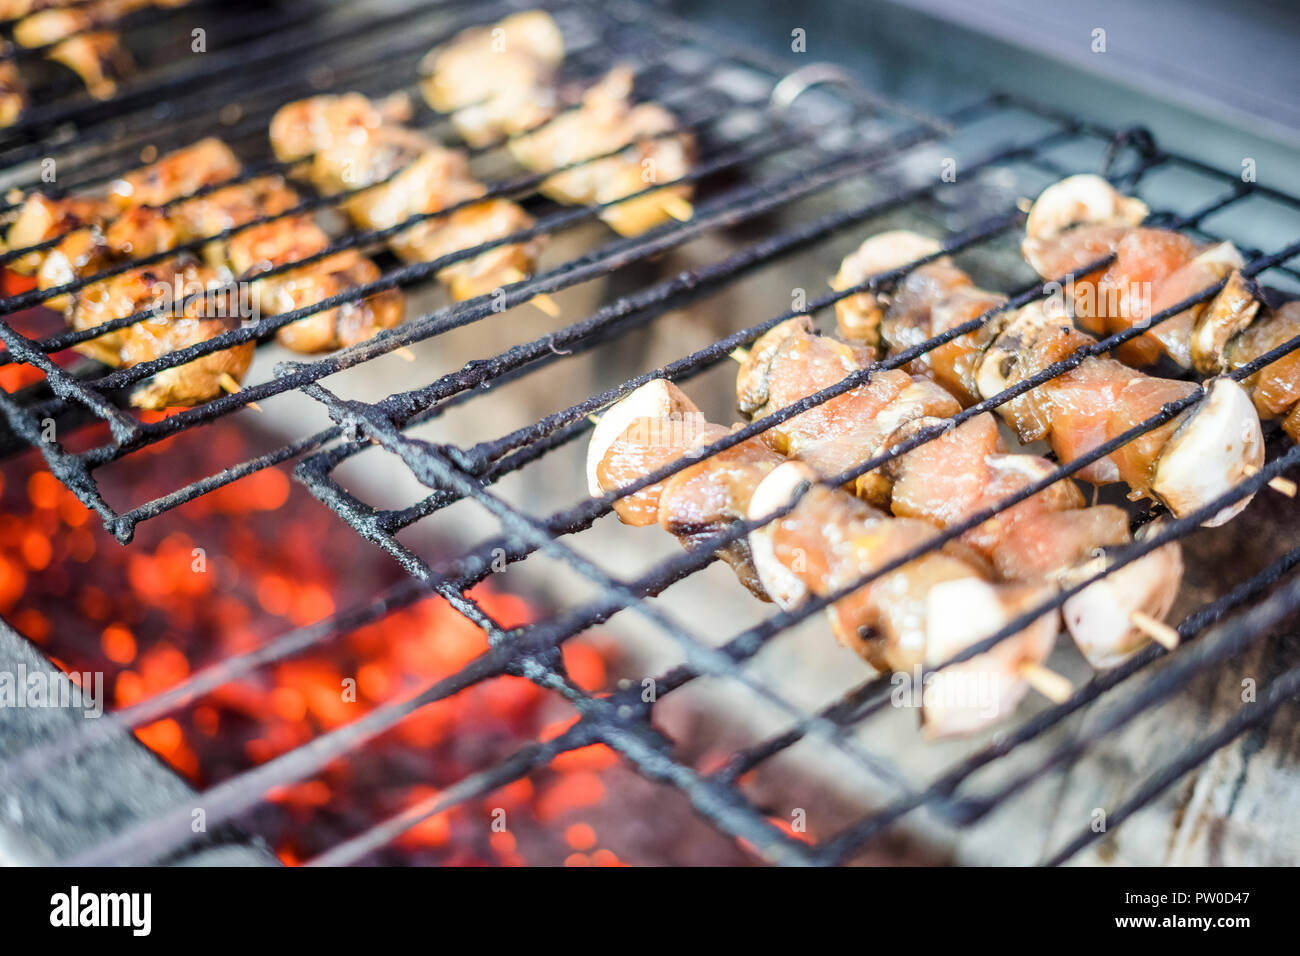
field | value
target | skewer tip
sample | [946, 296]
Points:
[739, 354]
[228, 383]
[1047, 682]
[1283, 486]
[546, 304]
[405, 353]
[1156, 629]
[677, 207]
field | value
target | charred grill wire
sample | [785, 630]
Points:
[280, 65]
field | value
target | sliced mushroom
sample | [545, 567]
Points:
[858, 316]
[751, 378]
[773, 493]
[1218, 446]
[1001, 366]
[966, 697]
[655, 399]
[1228, 313]
[1081, 199]
[1100, 617]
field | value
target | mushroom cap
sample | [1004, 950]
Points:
[774, 492]
[1099, 617]
[1228, 313]
[999, 368]
[968, 696]
[883, 252]
[1081, 199]
[1219, 445]
[858, 316]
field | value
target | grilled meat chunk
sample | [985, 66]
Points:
[496, 81]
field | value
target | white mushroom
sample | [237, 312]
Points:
[773, 493]
[1228, 313]
[883, 252]
[655, 399]
[1000, 366]
[1215, 449]
[1100, 617]
[859, 315]
[968, 696]
[1081, 199]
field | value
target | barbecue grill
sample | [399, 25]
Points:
[796, 161]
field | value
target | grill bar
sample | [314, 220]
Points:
[1280, 691]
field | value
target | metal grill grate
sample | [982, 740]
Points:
[759, 165]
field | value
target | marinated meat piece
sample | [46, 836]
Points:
[656, 425]
[155, 287]
[205, 163]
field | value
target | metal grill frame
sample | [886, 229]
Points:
[621, 720]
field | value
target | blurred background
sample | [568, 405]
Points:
[1199, 73]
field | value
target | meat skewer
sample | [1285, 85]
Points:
[161, 287]
[79, 223]
[646, 147]
[1154, 269]
[141, 217]
[156, 287]
[355, 144]
[1050, 536]
[499, 83]
[1082, 219]
[1185, 464]
[901, 621]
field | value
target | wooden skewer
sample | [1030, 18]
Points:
[1047, 682]
[739, 353]
[1283, 486]
[677, 207]
[405, 353]
[227, 381]
[1157, 630]
[546, 304]
[542, 300]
